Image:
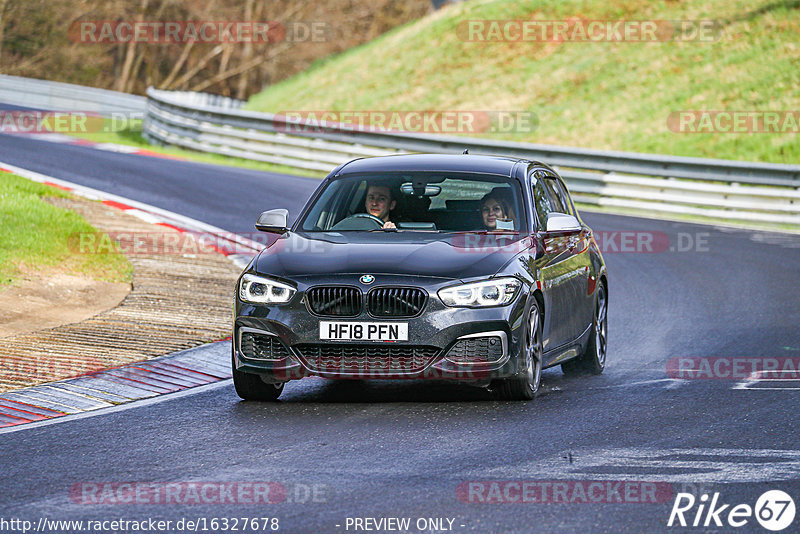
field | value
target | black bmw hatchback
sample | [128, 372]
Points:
[469, 268]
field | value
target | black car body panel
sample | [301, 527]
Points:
[417, 253]
[559, 271]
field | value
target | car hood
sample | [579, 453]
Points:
[453, 256]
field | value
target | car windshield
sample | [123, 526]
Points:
[427, 202]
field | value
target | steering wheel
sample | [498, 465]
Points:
[352, 222]
[377, 220]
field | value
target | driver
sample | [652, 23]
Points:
[379, 203]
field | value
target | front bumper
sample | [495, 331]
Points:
[438, 329]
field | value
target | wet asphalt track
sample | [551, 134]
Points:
[401, 449]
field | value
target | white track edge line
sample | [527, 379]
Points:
[119, 408]
[102, 195]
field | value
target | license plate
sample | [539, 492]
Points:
[360, 331]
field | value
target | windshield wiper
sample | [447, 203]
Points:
[481, 232]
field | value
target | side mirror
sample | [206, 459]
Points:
[561, 222]
[273, 221]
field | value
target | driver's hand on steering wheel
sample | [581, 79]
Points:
[388, 224]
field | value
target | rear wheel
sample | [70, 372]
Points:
[525, 386]
[593, 360]
[252, 387]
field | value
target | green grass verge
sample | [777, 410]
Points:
[132, 136]
[604, 95]
[35, 235]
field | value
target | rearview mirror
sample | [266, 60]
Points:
[414, 189]
[273, 221]
[561, 222]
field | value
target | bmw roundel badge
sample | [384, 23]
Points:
[367, 279]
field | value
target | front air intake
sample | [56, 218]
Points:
[396, 301]
[335, 301]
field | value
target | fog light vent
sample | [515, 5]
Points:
[255, 346]
[472, 350]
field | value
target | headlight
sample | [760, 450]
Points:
[497, 292]
[260, 290]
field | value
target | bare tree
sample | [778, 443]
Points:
[44, 47]
[122, 82]
[244, 67]
[3, 4]
[247, 52]
[200, 65]
[167, 83]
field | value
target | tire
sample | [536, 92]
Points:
[250, 387]
[593, 359]
[526, 385]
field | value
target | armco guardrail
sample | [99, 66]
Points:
[57, 96]
[736, 190]
[191, 98]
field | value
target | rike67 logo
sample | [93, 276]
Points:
[774, 510]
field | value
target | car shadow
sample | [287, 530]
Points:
[342, 391]
[321, 390]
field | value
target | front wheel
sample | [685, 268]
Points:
[251, 387]
[525, 386]
[593, 359]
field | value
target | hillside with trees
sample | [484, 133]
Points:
[38, 39]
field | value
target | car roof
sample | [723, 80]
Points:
[433, 162]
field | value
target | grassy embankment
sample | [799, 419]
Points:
[601, 95]
[37, 236]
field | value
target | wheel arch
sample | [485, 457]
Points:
[538, 297]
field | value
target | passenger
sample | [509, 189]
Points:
[496, 207]
[379, 203]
